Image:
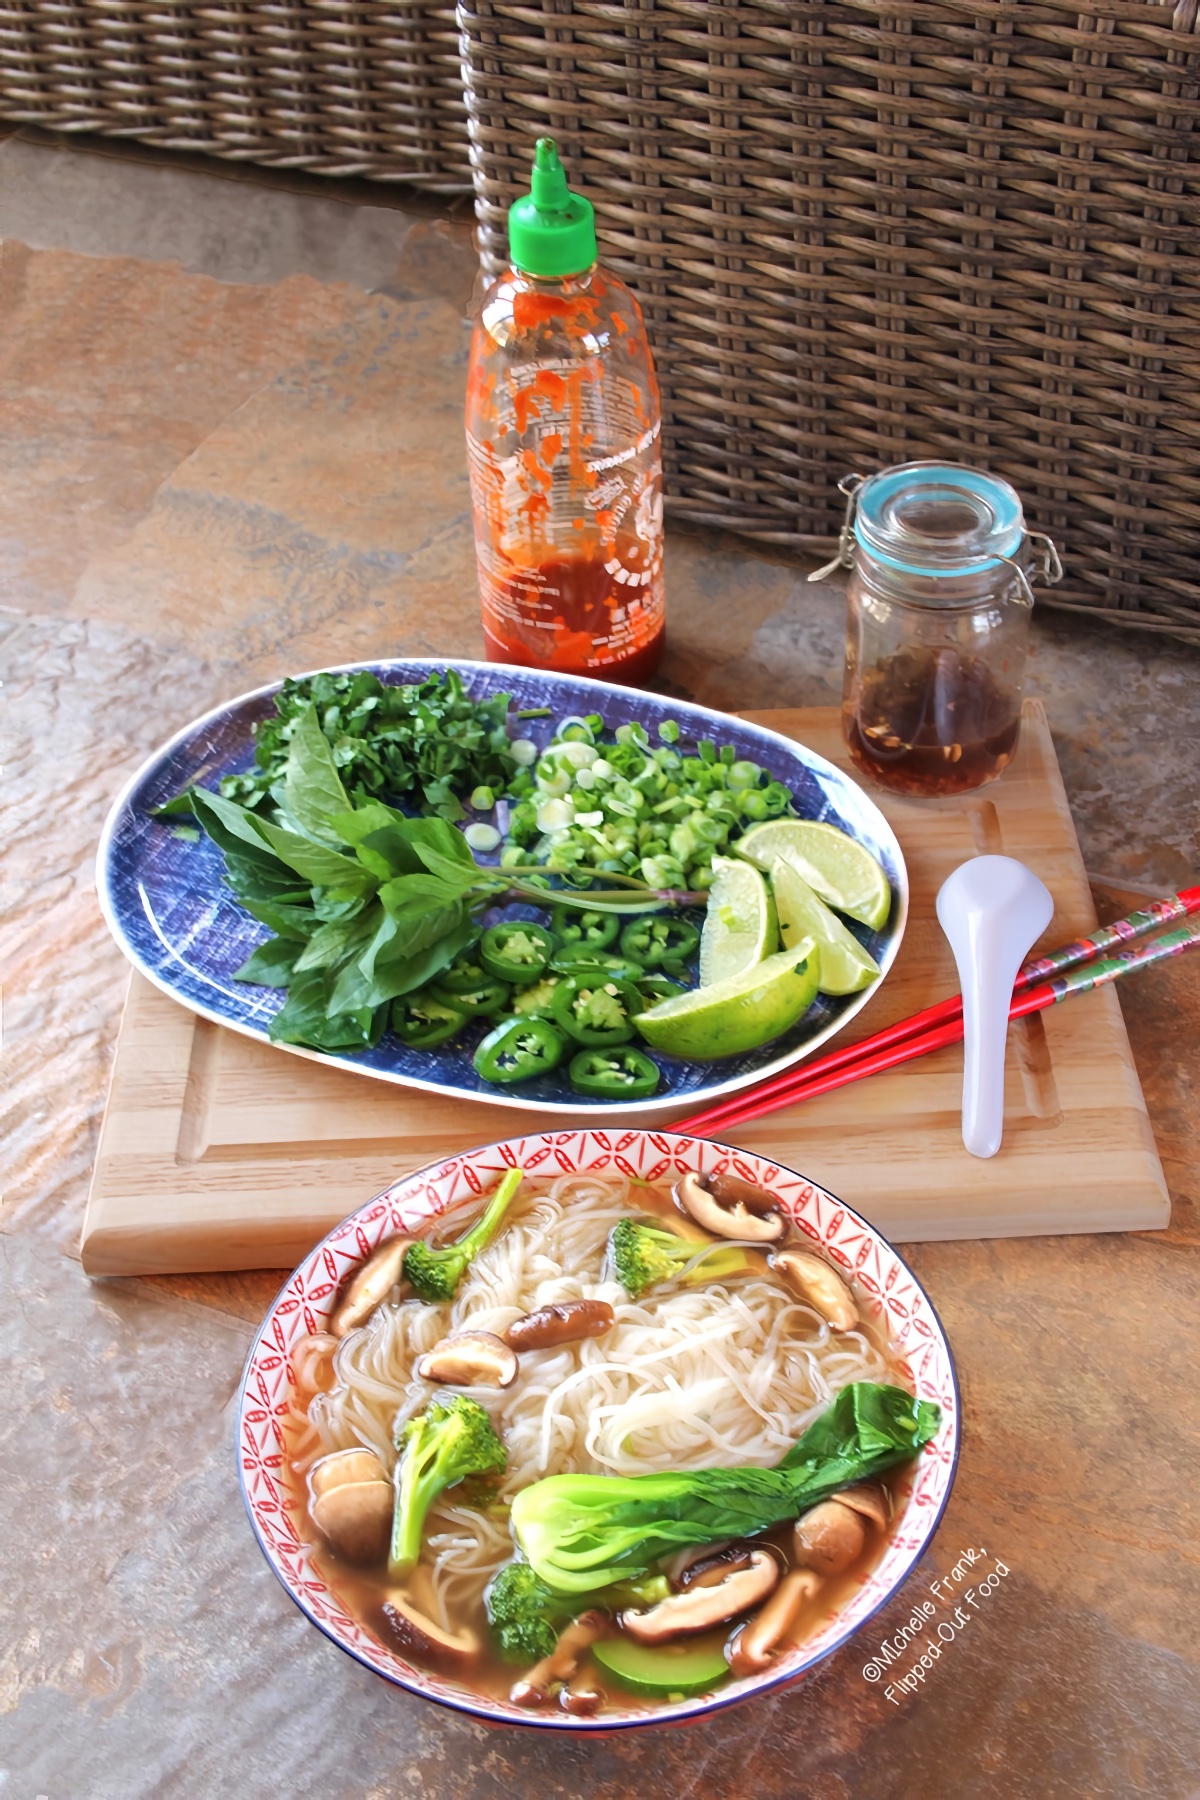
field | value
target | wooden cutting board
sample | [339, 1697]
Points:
[218, 1152]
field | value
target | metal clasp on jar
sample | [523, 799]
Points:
[1048, 565]
[848, 485]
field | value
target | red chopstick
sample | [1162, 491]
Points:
[1074, 968]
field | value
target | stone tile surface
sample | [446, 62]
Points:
[225, 456]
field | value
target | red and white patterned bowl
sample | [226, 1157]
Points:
[844, 1237]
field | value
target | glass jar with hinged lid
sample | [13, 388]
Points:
[939, 600]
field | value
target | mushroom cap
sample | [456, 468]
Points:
[342, 1467]
[814, 1281]
[562, 1322]
[715, 1564]
[581, 1702]
[699, 1607]
[369, 1285]
[868, 1498]
[355, 1519]
[732, 1221]
[756, 1644]
[469, 1359]
[828, 1538]
[413, 1632]
[312, 1363]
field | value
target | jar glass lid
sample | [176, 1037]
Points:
[930, 518]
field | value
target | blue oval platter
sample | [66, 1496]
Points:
[168, 907]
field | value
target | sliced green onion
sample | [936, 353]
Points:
[576, 755]
[574, 728]
[523, 750]
[483, 799]
[556, 814]
[482, 837]
[744, 775]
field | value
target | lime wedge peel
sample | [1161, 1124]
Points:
[738, 1014]
[838, 869]
[845, 966]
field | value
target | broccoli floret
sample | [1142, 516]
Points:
[643, 1255]
[449, 1440]
[585, 1532]
[526, 1616]
[435, 1274]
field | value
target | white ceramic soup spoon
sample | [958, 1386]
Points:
[992, 909]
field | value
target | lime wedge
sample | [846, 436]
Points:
[835, 866]
[738, 1014]
[845, 965]
[739, 927]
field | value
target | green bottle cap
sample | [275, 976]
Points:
[551, 231]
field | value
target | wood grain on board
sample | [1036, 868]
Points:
[218, 1152]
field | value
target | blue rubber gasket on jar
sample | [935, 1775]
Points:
[993, 523]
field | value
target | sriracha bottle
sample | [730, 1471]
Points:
[563, 440]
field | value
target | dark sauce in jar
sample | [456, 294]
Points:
[932, 721]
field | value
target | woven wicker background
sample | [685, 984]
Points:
[863, 232]
[342, 89]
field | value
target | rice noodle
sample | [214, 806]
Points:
[711, 1376]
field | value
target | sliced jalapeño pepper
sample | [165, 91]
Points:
[537, 1000]
[486, 996]
[597, 1012]
[600, 964]
[516, 951]
[622, 1073]
[465, 972]
[655, 940]
[584, 930]
[518, 1049]
[423, 1021]
[654, 988]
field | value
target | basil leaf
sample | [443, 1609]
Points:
[251, 880]
[406, 891]
[327, 909]
[296, 922]
[272, 964]
[313, 789]
[434, 836]
[180, 806]
[305, 1018]
[318, 864]
[232, 828]
[332, 944]
[392, 979]
[358, 822]
[379, 836]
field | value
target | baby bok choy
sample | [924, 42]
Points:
[582, 1532]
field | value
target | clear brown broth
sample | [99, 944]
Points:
[363, 1590]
